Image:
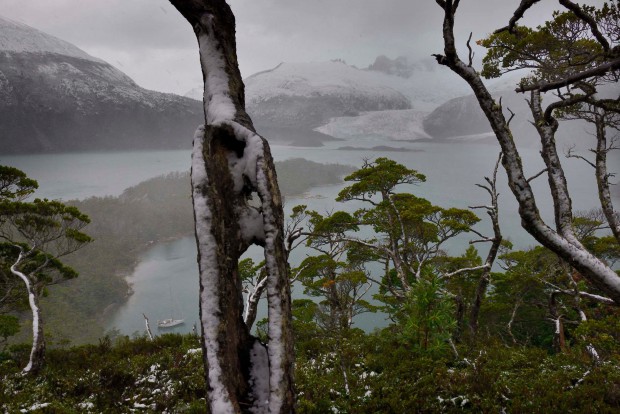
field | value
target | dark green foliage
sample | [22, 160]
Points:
[603, 334]
[561, 47]
[426, 361]
[421, 362]
[426, 319]
[388, 377]
[14, 184]
[125, 227]
[34, 235]
[378, 177]
[153, 376]
[9, 326]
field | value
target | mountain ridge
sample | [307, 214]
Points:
[54, 97]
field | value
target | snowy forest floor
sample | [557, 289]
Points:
[124, 375]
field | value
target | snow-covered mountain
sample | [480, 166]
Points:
[388, 99]
[462, 118]
[458, 117]
[309, 94]
[426, 83]
[55, 97]
[17, 37]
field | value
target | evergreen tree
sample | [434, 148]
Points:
[35, 234]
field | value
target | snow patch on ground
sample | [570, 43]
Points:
[34, 407]
[399, 125]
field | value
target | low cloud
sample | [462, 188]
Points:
[150, 41]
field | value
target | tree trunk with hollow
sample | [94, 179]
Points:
[230, 165]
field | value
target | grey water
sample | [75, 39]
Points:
[165, 282]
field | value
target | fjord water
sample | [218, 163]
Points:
[165, 280]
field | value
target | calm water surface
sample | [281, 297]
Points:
[165, 280]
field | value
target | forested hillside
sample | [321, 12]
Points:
[386, 299]
[123, 228]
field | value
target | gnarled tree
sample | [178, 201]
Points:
[236, 203]
[33, 236]
[560, 240]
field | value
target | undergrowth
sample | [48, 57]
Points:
[383, 375]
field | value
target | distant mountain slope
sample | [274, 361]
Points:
[55, 97]
[423, 81]
[17, 37]
[462, 117]
[289, 101]
[384, 100]
[309, 94]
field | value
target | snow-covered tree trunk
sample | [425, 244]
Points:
[147, 325]
[230, 165]
[602, 176]
[37, 352]
[561, 242]
[251, 305]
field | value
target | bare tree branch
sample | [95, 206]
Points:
[565, 103]
[471, 52]
[512, 115]
[512, 319]
[532, 178]
[148, 327]
[518, 15]
[578, 11]
[466, 269]
[595, 270]
[571, 154]
[596, 71]
[596, 298]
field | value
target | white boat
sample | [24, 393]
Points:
[170, 323]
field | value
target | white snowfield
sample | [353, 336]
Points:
[398, 125]
[18, 37]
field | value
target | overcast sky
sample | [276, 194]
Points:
[151, 42]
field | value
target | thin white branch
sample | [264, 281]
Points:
[532, 178]
[148, 327]
[466, 269]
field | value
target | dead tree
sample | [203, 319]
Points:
[496, 242]
[561, 240]
[232, 164]
[603, 115]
